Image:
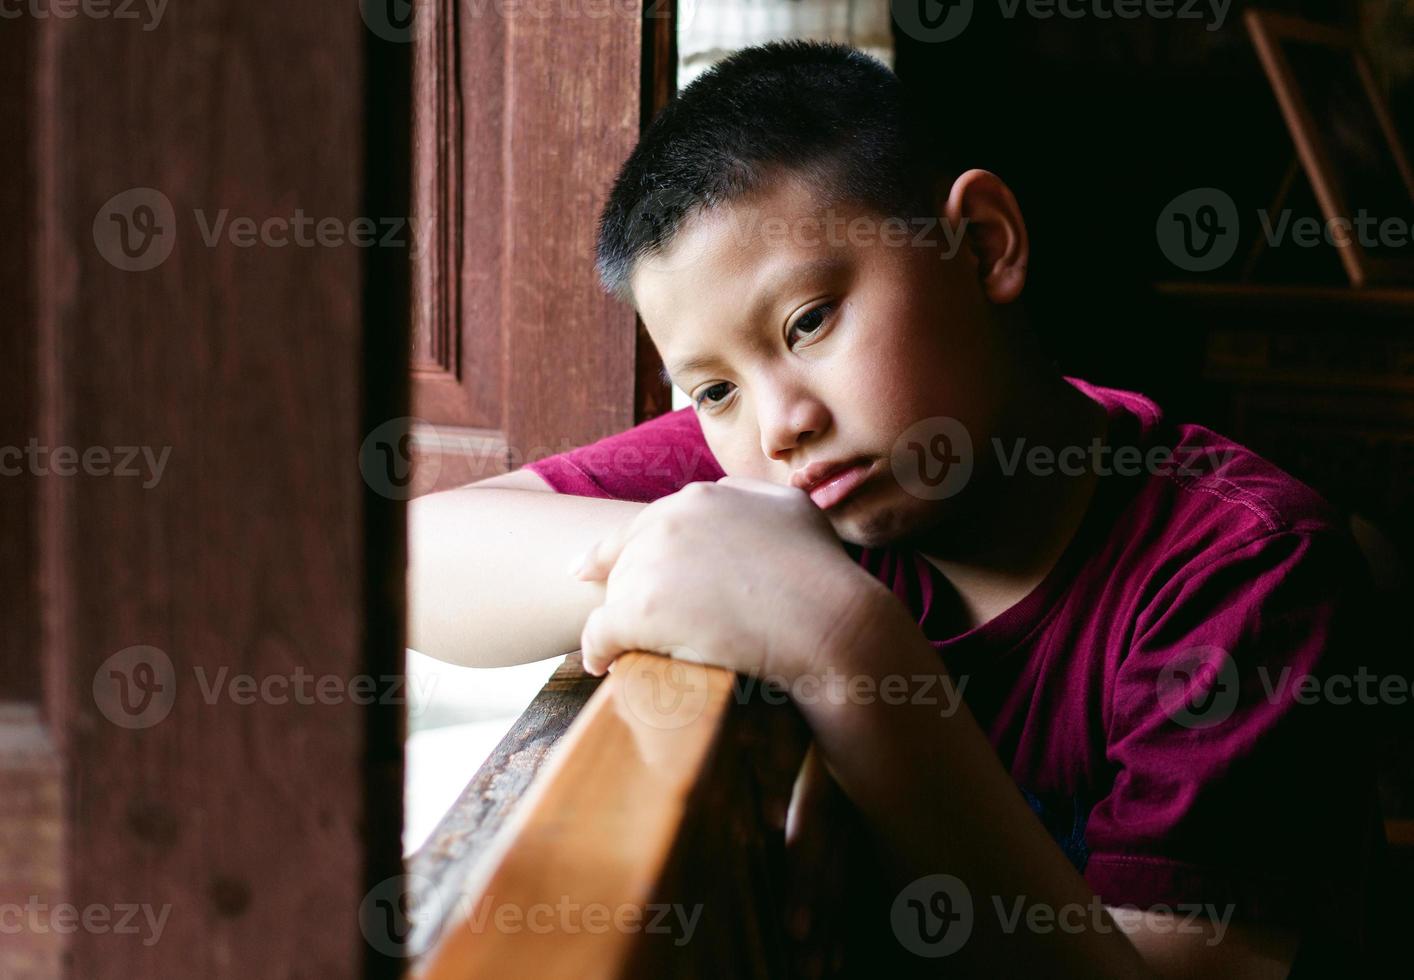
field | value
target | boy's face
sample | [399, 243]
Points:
[812, 338]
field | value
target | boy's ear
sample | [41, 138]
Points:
[982, 208]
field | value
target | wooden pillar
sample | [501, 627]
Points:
[216, 588]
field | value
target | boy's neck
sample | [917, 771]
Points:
[1001, 552]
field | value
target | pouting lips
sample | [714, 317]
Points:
[838, 483]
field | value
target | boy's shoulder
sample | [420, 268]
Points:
[1199, 496]
[650, 460]
[1199, 476]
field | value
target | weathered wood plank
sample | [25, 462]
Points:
[254, 825]
[31, 847]
[642, 847]
[463, 836]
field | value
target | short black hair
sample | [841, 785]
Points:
[827, 112]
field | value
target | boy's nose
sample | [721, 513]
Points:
[789, 419]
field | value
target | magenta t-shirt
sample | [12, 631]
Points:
[1222, 572]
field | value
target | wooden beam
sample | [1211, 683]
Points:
[183, 607]
[649, 781]
[31, 846]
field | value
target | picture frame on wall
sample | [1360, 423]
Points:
[1346, 142]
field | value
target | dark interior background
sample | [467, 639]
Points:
[1097, 124]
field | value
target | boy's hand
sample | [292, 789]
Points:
[741, 573]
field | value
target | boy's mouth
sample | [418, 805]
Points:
[830, 482]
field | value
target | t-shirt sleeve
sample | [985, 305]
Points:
[651, 460]
[1236, 732]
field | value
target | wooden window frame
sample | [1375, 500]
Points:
[608, 797]
[517, 352]
[254, 828]
[580, 749]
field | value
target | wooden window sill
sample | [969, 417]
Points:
[551, 864]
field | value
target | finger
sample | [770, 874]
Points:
[610, 630]
[596, 563]
[592, 640]
[754, 485]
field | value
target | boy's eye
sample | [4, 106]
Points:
[808, 323]
[713, 393]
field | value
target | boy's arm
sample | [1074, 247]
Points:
[487, 580]
[749, 576]
[935, 796]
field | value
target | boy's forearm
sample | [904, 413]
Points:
[488, 579]
[938, 801]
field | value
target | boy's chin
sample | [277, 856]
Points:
[874, 523]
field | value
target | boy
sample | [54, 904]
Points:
[915, 493]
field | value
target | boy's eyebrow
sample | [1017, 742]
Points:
[774, 284]
[690, 364]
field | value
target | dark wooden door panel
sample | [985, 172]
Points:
[175, 773]
[522, 122]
